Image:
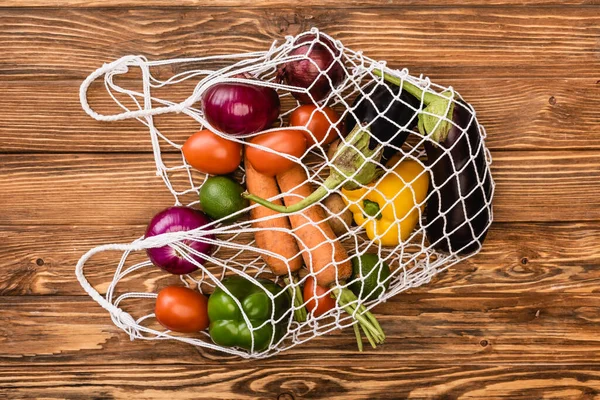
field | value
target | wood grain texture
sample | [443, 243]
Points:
[286, 382]
[518, 321]
[518, 114]
[122, 189]
[421, 329]
[330, 4]
[465, 42]
[516, 258]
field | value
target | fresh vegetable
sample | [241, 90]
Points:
[321, 122]
[390, 115]
[321, 70]
[331, 150]
[353, 165]
[273, 235]
[340, 216]
[220, 197]
[240, 108]
[369, 276]
[211, 154]
[318, 298]
[458, 215]
[389, 208]
[323, 254]
[288, 141]
[177, 219]
[227, 324]
[181, 309]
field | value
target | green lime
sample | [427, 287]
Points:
[369, 276]
[221, 197]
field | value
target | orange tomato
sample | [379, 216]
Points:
[211, 154]
[316, 300]
[287, 141]
[317, 122]
[181, 309]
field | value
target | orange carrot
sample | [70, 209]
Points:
[267, 238]
[322, 252]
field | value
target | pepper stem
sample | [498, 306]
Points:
[296, 294]
[371, 208]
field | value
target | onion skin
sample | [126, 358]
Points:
[303, 73]
[239, 108]
[177, 219]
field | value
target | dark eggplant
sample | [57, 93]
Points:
[381, 98]
[458, 207]
[458, 214]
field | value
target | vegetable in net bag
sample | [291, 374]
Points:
[408, 174]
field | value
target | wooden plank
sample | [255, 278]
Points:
[466, 42]
[286, 382]
[516, 258]
[518, 114]
[330, 4]
[92, 189]
[421, 329]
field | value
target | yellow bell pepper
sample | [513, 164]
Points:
[387, 208]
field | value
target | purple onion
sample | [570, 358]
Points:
[303, 73]
[177, 219]
[240, 108]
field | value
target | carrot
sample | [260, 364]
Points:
[322, 252]
[325, 256]
[273, 240]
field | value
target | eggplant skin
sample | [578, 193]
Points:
[455, 174]
[382, 96]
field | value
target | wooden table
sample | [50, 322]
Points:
[518, 321]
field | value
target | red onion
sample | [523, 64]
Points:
[304, 73]
[239, 108]
[177, 219]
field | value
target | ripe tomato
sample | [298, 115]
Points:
[317, 123]
[211, 154]
[317, 301]
[181, 309]
[290, 141]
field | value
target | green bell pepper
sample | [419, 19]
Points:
[227, 325]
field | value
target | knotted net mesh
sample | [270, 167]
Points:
[458, 178]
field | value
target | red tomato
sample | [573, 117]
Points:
[317, 123]
[290, 141]
[317, 301]
[181, 309]
[211, 154]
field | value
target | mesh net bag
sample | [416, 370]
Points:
[417, 232]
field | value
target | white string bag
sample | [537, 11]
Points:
[413, 262]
